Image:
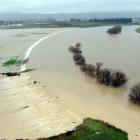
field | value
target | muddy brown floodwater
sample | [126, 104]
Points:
[62, 80]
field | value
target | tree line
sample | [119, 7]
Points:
[105, 76]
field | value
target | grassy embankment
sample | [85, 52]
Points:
[15, 64]
[92, 130]
[138, 30]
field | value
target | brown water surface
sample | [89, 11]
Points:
[78, 92]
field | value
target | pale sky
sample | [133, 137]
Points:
[65, 6]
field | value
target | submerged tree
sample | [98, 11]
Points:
[83, 67]
[118, 78]
[115, 30]
[76, 48]
[104, 77]
[79, 59]
[89, 70]
[134, 95]
[78, 45]
[98, 69]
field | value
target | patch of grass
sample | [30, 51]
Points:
[92, 129]
[14, 62]
[138, 30]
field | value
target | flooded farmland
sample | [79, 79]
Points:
[63, 80]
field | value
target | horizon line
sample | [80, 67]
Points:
[68, 12]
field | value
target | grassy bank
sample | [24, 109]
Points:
[15, 62]
[92, 130]
[138, 30]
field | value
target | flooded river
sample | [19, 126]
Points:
[81, 94]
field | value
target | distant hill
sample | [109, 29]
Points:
[67, 16]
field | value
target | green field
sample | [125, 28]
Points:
[80, 24]
[92, 130]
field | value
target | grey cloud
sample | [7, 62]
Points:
[47, 6]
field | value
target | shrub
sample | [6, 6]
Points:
[118, 78]
[134, 95]
[105, 77]
[78, 59]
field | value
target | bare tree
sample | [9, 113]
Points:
[98, 68]
[105, 77]
[118, 78]
[134, 95]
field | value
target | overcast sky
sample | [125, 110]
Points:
[59, 6]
